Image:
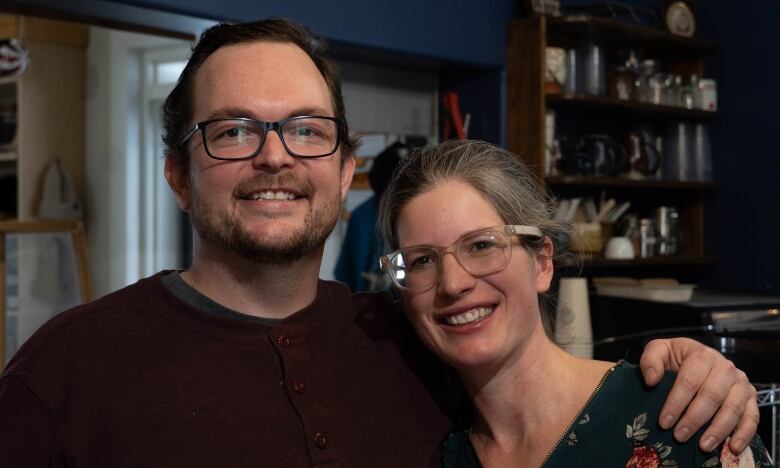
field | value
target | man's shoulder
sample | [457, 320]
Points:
[375, 314]
[377, 310]
[73, 326]
[373, 302]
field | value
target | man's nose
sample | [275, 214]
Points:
[273, 156]
[454, 280]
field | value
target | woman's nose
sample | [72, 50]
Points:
[454, 280]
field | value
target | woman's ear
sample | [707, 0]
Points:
[544, 265]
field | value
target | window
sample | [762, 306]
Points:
[165, 234]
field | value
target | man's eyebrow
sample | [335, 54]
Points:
[243, 112]
[228, 112]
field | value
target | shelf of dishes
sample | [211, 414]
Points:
[632, 77]
[7, 155]
[563, 28]
[649, 289]
[623, 182]
[679, 150]
[643, 109]
[608, 228]
[593, 261]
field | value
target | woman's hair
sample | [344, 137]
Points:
[501, 177]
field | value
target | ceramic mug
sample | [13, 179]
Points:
[619, 247]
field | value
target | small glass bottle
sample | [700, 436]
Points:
[696, 91]
[682, 91]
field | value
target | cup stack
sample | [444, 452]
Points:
[573, 330]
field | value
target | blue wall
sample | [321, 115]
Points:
[453, 30]
[743, 216]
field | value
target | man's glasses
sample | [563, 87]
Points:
[480, 253]
[241, 138]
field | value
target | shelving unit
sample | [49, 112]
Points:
[574, 27]
[635, 108]
[700, 260]
[49, 101]
[622, 182]
[527, 105]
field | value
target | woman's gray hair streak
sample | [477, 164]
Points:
[501, 177]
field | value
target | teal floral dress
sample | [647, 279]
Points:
[618, 428]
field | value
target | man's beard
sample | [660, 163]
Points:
[224, 230]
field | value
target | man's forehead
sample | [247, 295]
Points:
[267, 77]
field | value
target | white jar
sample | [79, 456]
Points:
[709, 94]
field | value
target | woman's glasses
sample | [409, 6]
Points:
[480, 253]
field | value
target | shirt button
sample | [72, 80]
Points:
[284, 340]
[320, 440]
[299, 387]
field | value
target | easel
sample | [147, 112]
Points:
[75, 228]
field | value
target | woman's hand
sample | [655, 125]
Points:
[706, 382]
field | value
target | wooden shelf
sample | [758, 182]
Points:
[652, 262]
[7, 80]
[618, 182]
[627, 35]
[584, 102]
[8, 155]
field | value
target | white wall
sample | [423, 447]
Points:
[114, 149]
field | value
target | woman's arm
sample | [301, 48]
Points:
[706, 382]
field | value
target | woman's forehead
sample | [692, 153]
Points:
[443, 214]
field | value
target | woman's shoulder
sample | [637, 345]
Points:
[625, 414]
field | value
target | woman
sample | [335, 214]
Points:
[477, 250]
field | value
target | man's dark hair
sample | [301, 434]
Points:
[177, 110]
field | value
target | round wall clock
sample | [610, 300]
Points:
[679, 18]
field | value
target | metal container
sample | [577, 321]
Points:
[647, 238]
[667, 220]
[595, 70]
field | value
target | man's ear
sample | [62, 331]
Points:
[544, 266]
[347, 169]
[179, 181]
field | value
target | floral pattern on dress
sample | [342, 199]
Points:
[728, 459]
[643, 455]
[572, 439]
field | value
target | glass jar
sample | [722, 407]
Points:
[651, 82]
[647, 237]
[647, 69]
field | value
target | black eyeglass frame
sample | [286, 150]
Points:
[266, 126]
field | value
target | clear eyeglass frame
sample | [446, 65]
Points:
[329, 124]
[477, 264]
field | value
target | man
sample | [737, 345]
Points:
[246, 358]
